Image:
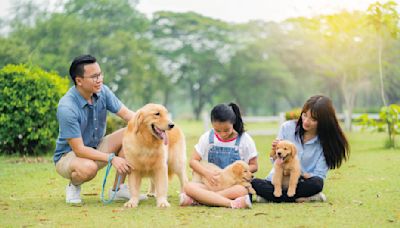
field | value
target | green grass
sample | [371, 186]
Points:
[364, 192]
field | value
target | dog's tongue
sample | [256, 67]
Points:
[279, 161]
[164, 137]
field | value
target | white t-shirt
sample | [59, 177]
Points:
[247, 147]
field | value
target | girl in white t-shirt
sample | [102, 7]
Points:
[225, 143]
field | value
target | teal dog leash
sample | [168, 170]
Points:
[109, 165]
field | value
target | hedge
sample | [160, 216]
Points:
[28, 105]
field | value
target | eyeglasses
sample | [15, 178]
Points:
[96, 77]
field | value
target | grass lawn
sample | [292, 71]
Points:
[364, 192]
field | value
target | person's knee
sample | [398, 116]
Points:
[88, 170]
[318, 183]
[187, 188]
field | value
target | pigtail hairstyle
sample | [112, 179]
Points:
[231, 113]
[238, 125]
[334, 143]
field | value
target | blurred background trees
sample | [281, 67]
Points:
[190, 62]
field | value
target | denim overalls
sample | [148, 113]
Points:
[222, 156]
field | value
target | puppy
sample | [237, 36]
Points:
[155, 148]
[236, 173]
[287, 168]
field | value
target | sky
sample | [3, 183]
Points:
[241, 10]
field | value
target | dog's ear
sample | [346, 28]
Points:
[237, 169]
[272, 154]
[135, 122]
[294, 149]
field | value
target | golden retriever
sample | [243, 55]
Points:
[236, 173]
[287, 168]
[155, 147]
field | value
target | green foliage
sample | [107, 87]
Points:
[389, 121]
[12, 52]
[384, 17]
[190, 62]
[114, 123]
[28, 104]
[293, 114]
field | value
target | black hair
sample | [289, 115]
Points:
[333, 141]
[231, 113]
[78, 64]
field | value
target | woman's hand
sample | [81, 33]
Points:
[212, 177]
[275, 143]
[306, 175]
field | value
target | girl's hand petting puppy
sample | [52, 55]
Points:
[212, 177]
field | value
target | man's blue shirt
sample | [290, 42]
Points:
[77, 118]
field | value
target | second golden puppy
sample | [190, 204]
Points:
[287, 168]
[155, 148]
[236, 173]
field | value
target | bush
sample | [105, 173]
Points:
[389, 121]
[293, 114]
[28, 106]
[114, 123]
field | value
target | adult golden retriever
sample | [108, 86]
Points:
[287, 168]
[155, 148]
[235, 173]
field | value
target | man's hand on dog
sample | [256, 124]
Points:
[122, 166]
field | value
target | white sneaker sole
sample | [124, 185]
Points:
[74, 201]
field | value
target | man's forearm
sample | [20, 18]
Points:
[92, 154]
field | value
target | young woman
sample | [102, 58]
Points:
[225, 143]
[321, 145]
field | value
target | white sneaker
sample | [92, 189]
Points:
[319, 197]
[260, 199]
[73, 194]
[123, 194]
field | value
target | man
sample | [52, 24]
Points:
[81, 148]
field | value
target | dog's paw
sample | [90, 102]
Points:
[163, 204]
[252, 191]
[131, 203]
[291, 192]
[151, 194]
[277, 193]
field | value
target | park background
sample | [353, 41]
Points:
[189, 62]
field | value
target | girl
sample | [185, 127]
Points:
[225, 143]
[321, 145]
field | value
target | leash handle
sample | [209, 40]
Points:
[109, 165]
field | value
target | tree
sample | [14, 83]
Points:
[112, 30]
[256, 66]
[384, 19]
[192, 50]
[344, 55]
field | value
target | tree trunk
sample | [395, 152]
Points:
[349, 98]
[380, 46]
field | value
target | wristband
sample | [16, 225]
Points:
[110, 158]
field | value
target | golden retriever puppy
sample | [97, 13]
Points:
[236, 173]
[287, 168]
[155, 148]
